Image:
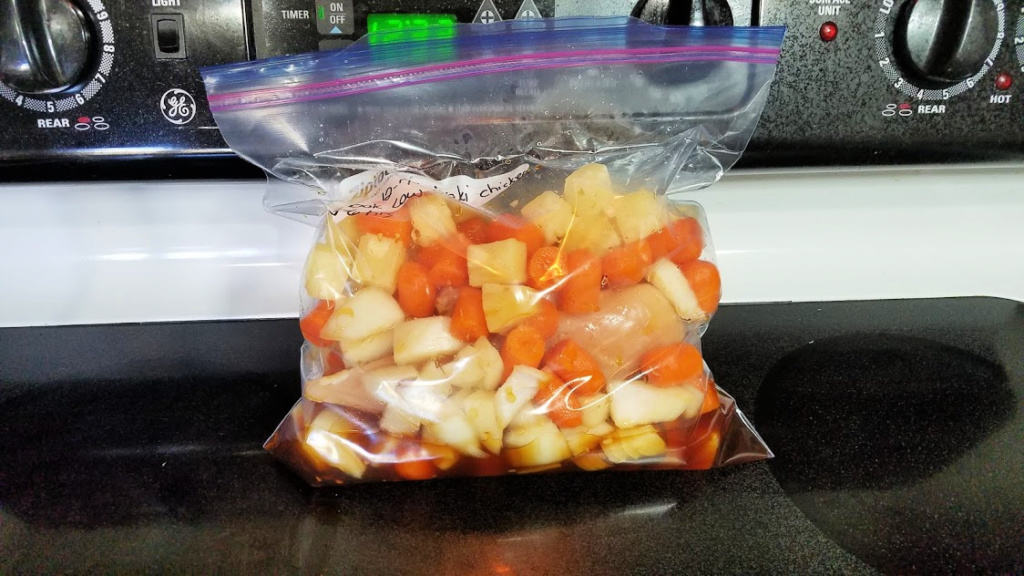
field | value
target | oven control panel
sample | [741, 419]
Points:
[111, 88]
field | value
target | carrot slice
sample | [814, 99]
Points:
[581, 291]
[511, 226]
[451, 247]
[524, 346]
[468, 320]
[414, 463]
[546, 268]
[545, 320]
[672, 365]
[474, 229]
[574, 365]
[705, 283]
[395, 224]
[711, 400]
[681, 241]
[449, 271]
[415, 291]
[626, 265]
[311, 324]
[561, 403]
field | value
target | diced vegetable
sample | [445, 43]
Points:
[396, 421]
[467, 369]
[369, 311]
[505, 306]
[415, 291]
[378, 261]
[480, 409]
[666, 277]
[431, 219]
[415, 463]
[327, 272]
[546, 268]
[595, 410]
[575, 367]
[633, 444]
[538, 444]
[638, 215]
[311, 325]
[474, 229]
[344, 388]
[591, 461]
[385, 383]
[368, 349]
[701, 456]
[551, 213]
[589, 190]
[594, 232]
[517, 391]
[508, 226]
[523, 346]
[681, 241]
[502, 262]
[627, 264]
[449, 271]
[454, 429]
[580, 292]
[424, 338]
[672, 365]
[393, 225]
[635, 403]
[544, 320]
[326, 438]
[490, 361]
[468, 320]
[559, 402]
[705, 283]
[711, 399]
[582, 439]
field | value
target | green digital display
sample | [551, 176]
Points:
[386, 28]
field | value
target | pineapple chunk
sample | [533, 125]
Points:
[431, 219]
[327, 273]
[480, 410]
[539, 443]
[384, 383]
[343, 233]
[589, 190]
[396, 421]
[636, 403]
[423, 339]
[580, 440]
[518, 390]
[369, 311]
[593, 232]
[505, 306]
[326, 441]
[344, 388]
[490, 363]
[638, 215]
[551, 213]
[666, 277]
[465, 371]
[591, 462]
[454, 429]
[502, 262]
[633, 444]
[595, 410]
[378, 260]
[366, 350]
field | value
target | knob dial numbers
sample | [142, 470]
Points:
[934, 49]
[97, 60]
[1018, 39]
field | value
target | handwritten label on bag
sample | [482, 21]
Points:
[385, 191]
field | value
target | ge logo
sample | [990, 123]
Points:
[178, 106]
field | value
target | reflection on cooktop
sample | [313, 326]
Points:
[878, 438]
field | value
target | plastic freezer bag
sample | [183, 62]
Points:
[506, 277]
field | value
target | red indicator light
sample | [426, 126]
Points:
[83, 120]
[1003, 81]
[828, 31]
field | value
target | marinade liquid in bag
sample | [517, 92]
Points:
[506, 277]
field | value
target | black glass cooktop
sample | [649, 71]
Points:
[897, 428]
